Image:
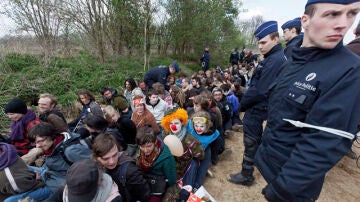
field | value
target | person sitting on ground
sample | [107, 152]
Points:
[235, 111]
[156, 105]
[178, 96]
[174, 123]
[16, 180]
[22, 120]
[163, 94]
[97, 125]
[199, 126]
[121, 167]
[86, 182]
[46, 106]
[58, 154]
[155, 159]
[129, 86]
[118, 101]
[89, 105]
[142, 116]
[125, 127]
[225, 108]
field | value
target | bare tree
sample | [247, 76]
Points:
[38, 17]
[248, 27]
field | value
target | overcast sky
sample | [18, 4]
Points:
[279, 10]
[282, 11]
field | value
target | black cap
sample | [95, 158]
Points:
[82, 180]
[17, 106]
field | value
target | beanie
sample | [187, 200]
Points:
[17, 106]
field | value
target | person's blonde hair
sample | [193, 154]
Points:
[109, 111]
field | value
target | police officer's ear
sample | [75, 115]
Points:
[305, 21]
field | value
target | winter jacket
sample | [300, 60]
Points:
[147, 118]
[136, 186]
[317, 88]
[164, 165]
[158, 110]
[156, 74]
[263, 76]
[291, 44]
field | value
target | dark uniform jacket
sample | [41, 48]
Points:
[263, 76]
[205, 60]
[156, 74]
[291, 44]
[318, 87]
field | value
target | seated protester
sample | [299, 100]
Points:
[22, 119]
[200, 127]
[129, 86]
[118, 101]
[59, 150]
[121, 167]
[135, 94]
[155, 159]
[202, 102]
[174, 123]
[86, 182]
[46, 106]
[235, 111]
[178, 96]
[142, 116]
[16, 180]
[125, 127]
[89, 105]
[144, 88]
[97, 125]
[156, 105]
[163, 94]
[225, 108]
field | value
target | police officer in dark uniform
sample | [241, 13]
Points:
[255, 101]
[205, 59]
[319, 86]
[160, 74]
[292, 35]
[234, 57]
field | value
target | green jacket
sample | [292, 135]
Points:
[165, 165]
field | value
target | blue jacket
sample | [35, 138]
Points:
[234, 101]
[156, 74]
[265, 73]
[319, 87]
[55, 174]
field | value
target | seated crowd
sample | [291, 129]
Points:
[117, 147]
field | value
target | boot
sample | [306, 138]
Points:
[242, 178]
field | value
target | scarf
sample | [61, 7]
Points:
[181, 134]
[205, 140]
[18, 127]
[8, 156]
[146, 162]
[104, 191]
[57, 141]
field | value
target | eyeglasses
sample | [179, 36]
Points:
[199, 120]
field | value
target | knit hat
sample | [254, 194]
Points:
[17, 106]
[331, 1]
[175, 113]
[8, 156]
[291, 23]
[265, 29]
[82, 180]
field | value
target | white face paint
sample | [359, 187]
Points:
[200, 128]
[175, 126]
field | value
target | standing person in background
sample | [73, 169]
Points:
[292, 35]
[319, 86]
[22, 120]
[354, 45]
[205, 59]
[234, 57]
[255, 100]
[46, 106]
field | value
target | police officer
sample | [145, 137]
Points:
[234, 57]
[291, 34]
[205, 59]
[160, 74]
[254, 102]
[320, 86]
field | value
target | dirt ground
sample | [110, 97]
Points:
[341, 183]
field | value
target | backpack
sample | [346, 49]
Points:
[123, 169]
[69, 140]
